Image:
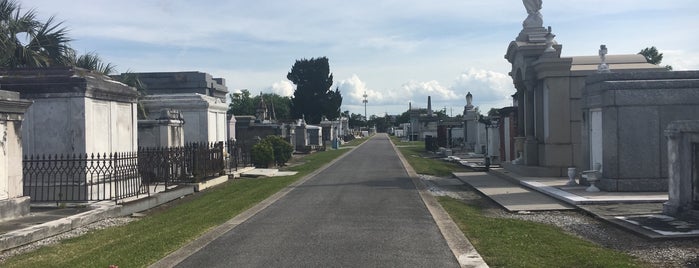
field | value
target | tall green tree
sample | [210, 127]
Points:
[242, 103]
[313, 97]
[653, 56]
[278, 107]
[356, 121]
[28, 42]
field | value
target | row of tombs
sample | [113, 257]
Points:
[71, 111]
[635, 121]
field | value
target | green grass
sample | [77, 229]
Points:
[355, 142]
[428, 166]
[145, 241]
[518, 243]
[398, 142]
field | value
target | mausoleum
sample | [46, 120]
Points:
[549, 91]
[199, 97]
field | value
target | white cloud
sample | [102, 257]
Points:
[391, 43]
[353, 90]
[417, 92]
[487, 85]
[283, 88]
[490, 90]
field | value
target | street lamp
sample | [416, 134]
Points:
[365, 101]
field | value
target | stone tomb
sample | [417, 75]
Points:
[75, 111]
[12, 202]
[204, 116]
[164, 131]
[683, 168]
[624, 115]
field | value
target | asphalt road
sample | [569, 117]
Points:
[363, 211]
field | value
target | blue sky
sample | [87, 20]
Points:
[396, 51]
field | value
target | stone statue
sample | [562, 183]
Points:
[603, 67]
[534, 20]
[469, 103]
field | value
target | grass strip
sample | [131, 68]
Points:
[520, 243]
[145, 241]
[428, 166]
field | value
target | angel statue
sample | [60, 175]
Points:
[534, 20]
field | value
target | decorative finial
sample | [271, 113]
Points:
[549, 41]
[603, 67]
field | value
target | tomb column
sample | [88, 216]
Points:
[520, 112]
[530, 144]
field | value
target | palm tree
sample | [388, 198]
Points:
[91, 61]
[133, 80]
[27, 42]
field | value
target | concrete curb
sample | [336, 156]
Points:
[187, 250]
[461, 247]
[34, 233]
[99, 211]
[200, 186]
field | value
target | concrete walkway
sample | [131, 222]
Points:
[509, 195]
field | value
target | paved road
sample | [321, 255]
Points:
[363, 211]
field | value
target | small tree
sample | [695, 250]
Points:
[262, 154]
[653, 56]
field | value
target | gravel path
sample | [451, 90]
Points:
[663, 253]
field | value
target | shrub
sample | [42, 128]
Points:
[271, 149]
[282, 149]
[262, 154]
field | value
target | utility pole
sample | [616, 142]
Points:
[365, 101]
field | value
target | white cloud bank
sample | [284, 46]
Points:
[490, 90]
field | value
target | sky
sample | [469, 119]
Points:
[398, 52]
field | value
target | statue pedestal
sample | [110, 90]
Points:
[533, 35]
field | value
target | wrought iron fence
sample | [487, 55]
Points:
[238, 155]
[49, 178]
[116, 176]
